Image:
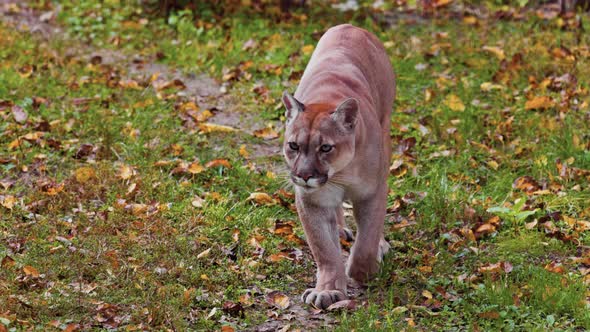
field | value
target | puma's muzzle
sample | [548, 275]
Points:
[308, 180]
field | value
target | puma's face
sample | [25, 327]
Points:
[319, 142]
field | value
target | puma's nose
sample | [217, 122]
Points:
[305, 176]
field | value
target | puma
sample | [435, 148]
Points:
[337, 147]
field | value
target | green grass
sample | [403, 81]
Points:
[131, 250]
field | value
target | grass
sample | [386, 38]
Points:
[116, 236]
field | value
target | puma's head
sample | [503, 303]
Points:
[319, 140]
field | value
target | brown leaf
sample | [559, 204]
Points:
[261, 198]
[283, 227]
[52, 188]
[84, 151]
[267, 133]
[72, 327]
[278, 299]
[527, 184]
[342, 305]
[7, 262]
[233, 309]
[218, 162]
[555, 267]
[499, 267]
[31, 271]
[489, 315]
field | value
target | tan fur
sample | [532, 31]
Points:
[344, 100]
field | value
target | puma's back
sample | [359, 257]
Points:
[364, 74]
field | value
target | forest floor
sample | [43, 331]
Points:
[142, 185]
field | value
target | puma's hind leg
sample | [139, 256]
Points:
[344, 232]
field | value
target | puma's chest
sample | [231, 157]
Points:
[327, 196]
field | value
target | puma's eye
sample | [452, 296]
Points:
[293, 146]
[326, 148]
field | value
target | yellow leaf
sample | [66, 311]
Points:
[54, 189]
[211, 127]
[539, 102]
[498, 52]
[205, 253]
[454, 103]
[261, 198]
[488, 86]
[243, 152]
[84, 174]
[8, 201]
[14, 144]
[195, 168]
[129, 84]
[307, 49]
[493, 164]
[267, 133]
[125, 172]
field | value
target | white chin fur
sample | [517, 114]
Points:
[311, 185]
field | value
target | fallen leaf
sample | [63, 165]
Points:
[84, 174]
[342, 305]
[217, 163]
[488, 86]
[31, 271]
[278, 299]
[307, 49]
[243, 152]
[211, 127]
[498, 52]
[454, 103]
[125, 172]
[539, 102]
[204, 253]
[19, 114]
[261, 199]
[7, 262]
[527, 184]
[197, 202]
[505, 267]
[8, 201]
[267, 133]
[195, 167]
[555, 267]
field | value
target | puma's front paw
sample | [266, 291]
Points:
[322, 299]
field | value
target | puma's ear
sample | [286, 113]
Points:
[346, 113]
[292, 106]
